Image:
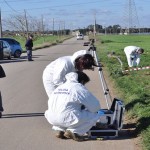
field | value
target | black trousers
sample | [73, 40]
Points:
[1, 106]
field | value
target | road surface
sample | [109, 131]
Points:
[23, 126]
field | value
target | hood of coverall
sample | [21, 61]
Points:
[72, 76]
[78, 54]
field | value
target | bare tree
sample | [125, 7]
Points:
[24, 24]
[15, 23]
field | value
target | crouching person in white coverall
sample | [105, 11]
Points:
[54, 73]
[133, 55]
[65, 110]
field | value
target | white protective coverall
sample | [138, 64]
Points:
[133, 57]
[64, 107]
[54, 73]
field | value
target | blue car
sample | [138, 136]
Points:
[15, 47]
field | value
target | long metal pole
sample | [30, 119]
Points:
[53, 26]
[102, 79]
[26, 21]
[1, 35]
[94, 25]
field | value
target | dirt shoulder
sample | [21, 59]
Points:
[129, 125]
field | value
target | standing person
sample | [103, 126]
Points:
[133, 55]
[29, 45]
[72, 109]
[54, 73]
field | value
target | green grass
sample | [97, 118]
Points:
[41, 41]
[134, 86]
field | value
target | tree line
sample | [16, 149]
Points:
[21, 25]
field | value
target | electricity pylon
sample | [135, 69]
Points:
[131, 21]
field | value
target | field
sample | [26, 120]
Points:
[134, 86]
[42, 42]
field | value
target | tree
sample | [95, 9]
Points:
[23, 24]
[116, 28]
[15, 23]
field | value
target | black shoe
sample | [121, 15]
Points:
[30, 60]
[60, 134]
[68, 134]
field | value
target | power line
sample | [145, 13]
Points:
[13, 1]
[85, 3]
[10, 6]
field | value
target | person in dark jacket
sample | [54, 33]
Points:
[29, 45]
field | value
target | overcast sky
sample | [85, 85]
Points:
[80, 13]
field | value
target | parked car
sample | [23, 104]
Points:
[15, 47]
[80, 37]
[5, 50]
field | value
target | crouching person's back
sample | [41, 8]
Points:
[72, 109]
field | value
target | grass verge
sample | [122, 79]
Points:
[42, 41]
[134, 86]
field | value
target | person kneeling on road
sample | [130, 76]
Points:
[65, 108]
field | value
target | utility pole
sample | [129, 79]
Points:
[64, 28]
[61, 28]
[26, 23]
[1, 35]
[94, 24]
[58, 32]
[42, 28]
[105, 30]
[53, 26]
[71, 28]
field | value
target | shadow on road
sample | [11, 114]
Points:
[21, 59]
[11, 61]
[126, 133]
[22, 115]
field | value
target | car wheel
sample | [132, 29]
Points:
[17, 54]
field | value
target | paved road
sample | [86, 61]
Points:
[23, 126]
